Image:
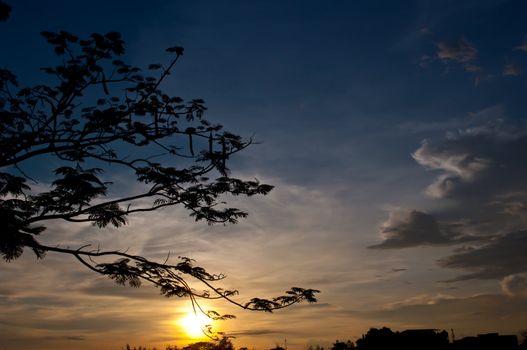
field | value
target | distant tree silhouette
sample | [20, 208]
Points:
[202, 345]
[340, 345]
[128, 347]
[523, 344]
[277, 347]
[223, 343]
[168, 347]
[99, 115]
[376, 339]
[311, 347]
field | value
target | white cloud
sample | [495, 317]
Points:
[460, 168]
[459, 164]
[480, 161]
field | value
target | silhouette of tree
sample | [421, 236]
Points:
[310, 347]
[223, 343]
[377, 339]
[128, 347]
[101, 115]
[202, 345]
[340, 345]
[523, 344]
[277, 347]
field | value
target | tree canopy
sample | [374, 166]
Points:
[101, 115]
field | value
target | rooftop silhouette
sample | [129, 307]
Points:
[433, 339]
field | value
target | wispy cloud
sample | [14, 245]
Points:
[249, 332]
[66, 337]
[481, 160]
[422, 299]
[501, 257]
[523, 45]
[460, 51]
[395, 270]
[458, 167]
[511, 70]
[466, 121]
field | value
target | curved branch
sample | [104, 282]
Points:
[167, 277]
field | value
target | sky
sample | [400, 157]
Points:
[395, 136]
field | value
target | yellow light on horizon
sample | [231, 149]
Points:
[194, 324]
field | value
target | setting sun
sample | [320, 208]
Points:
[195, 324]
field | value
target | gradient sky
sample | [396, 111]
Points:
[395, 135]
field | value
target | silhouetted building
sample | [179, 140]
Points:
[377, 339]
[432, 339]
[489, 341]
[412, 339]
[419, 339]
